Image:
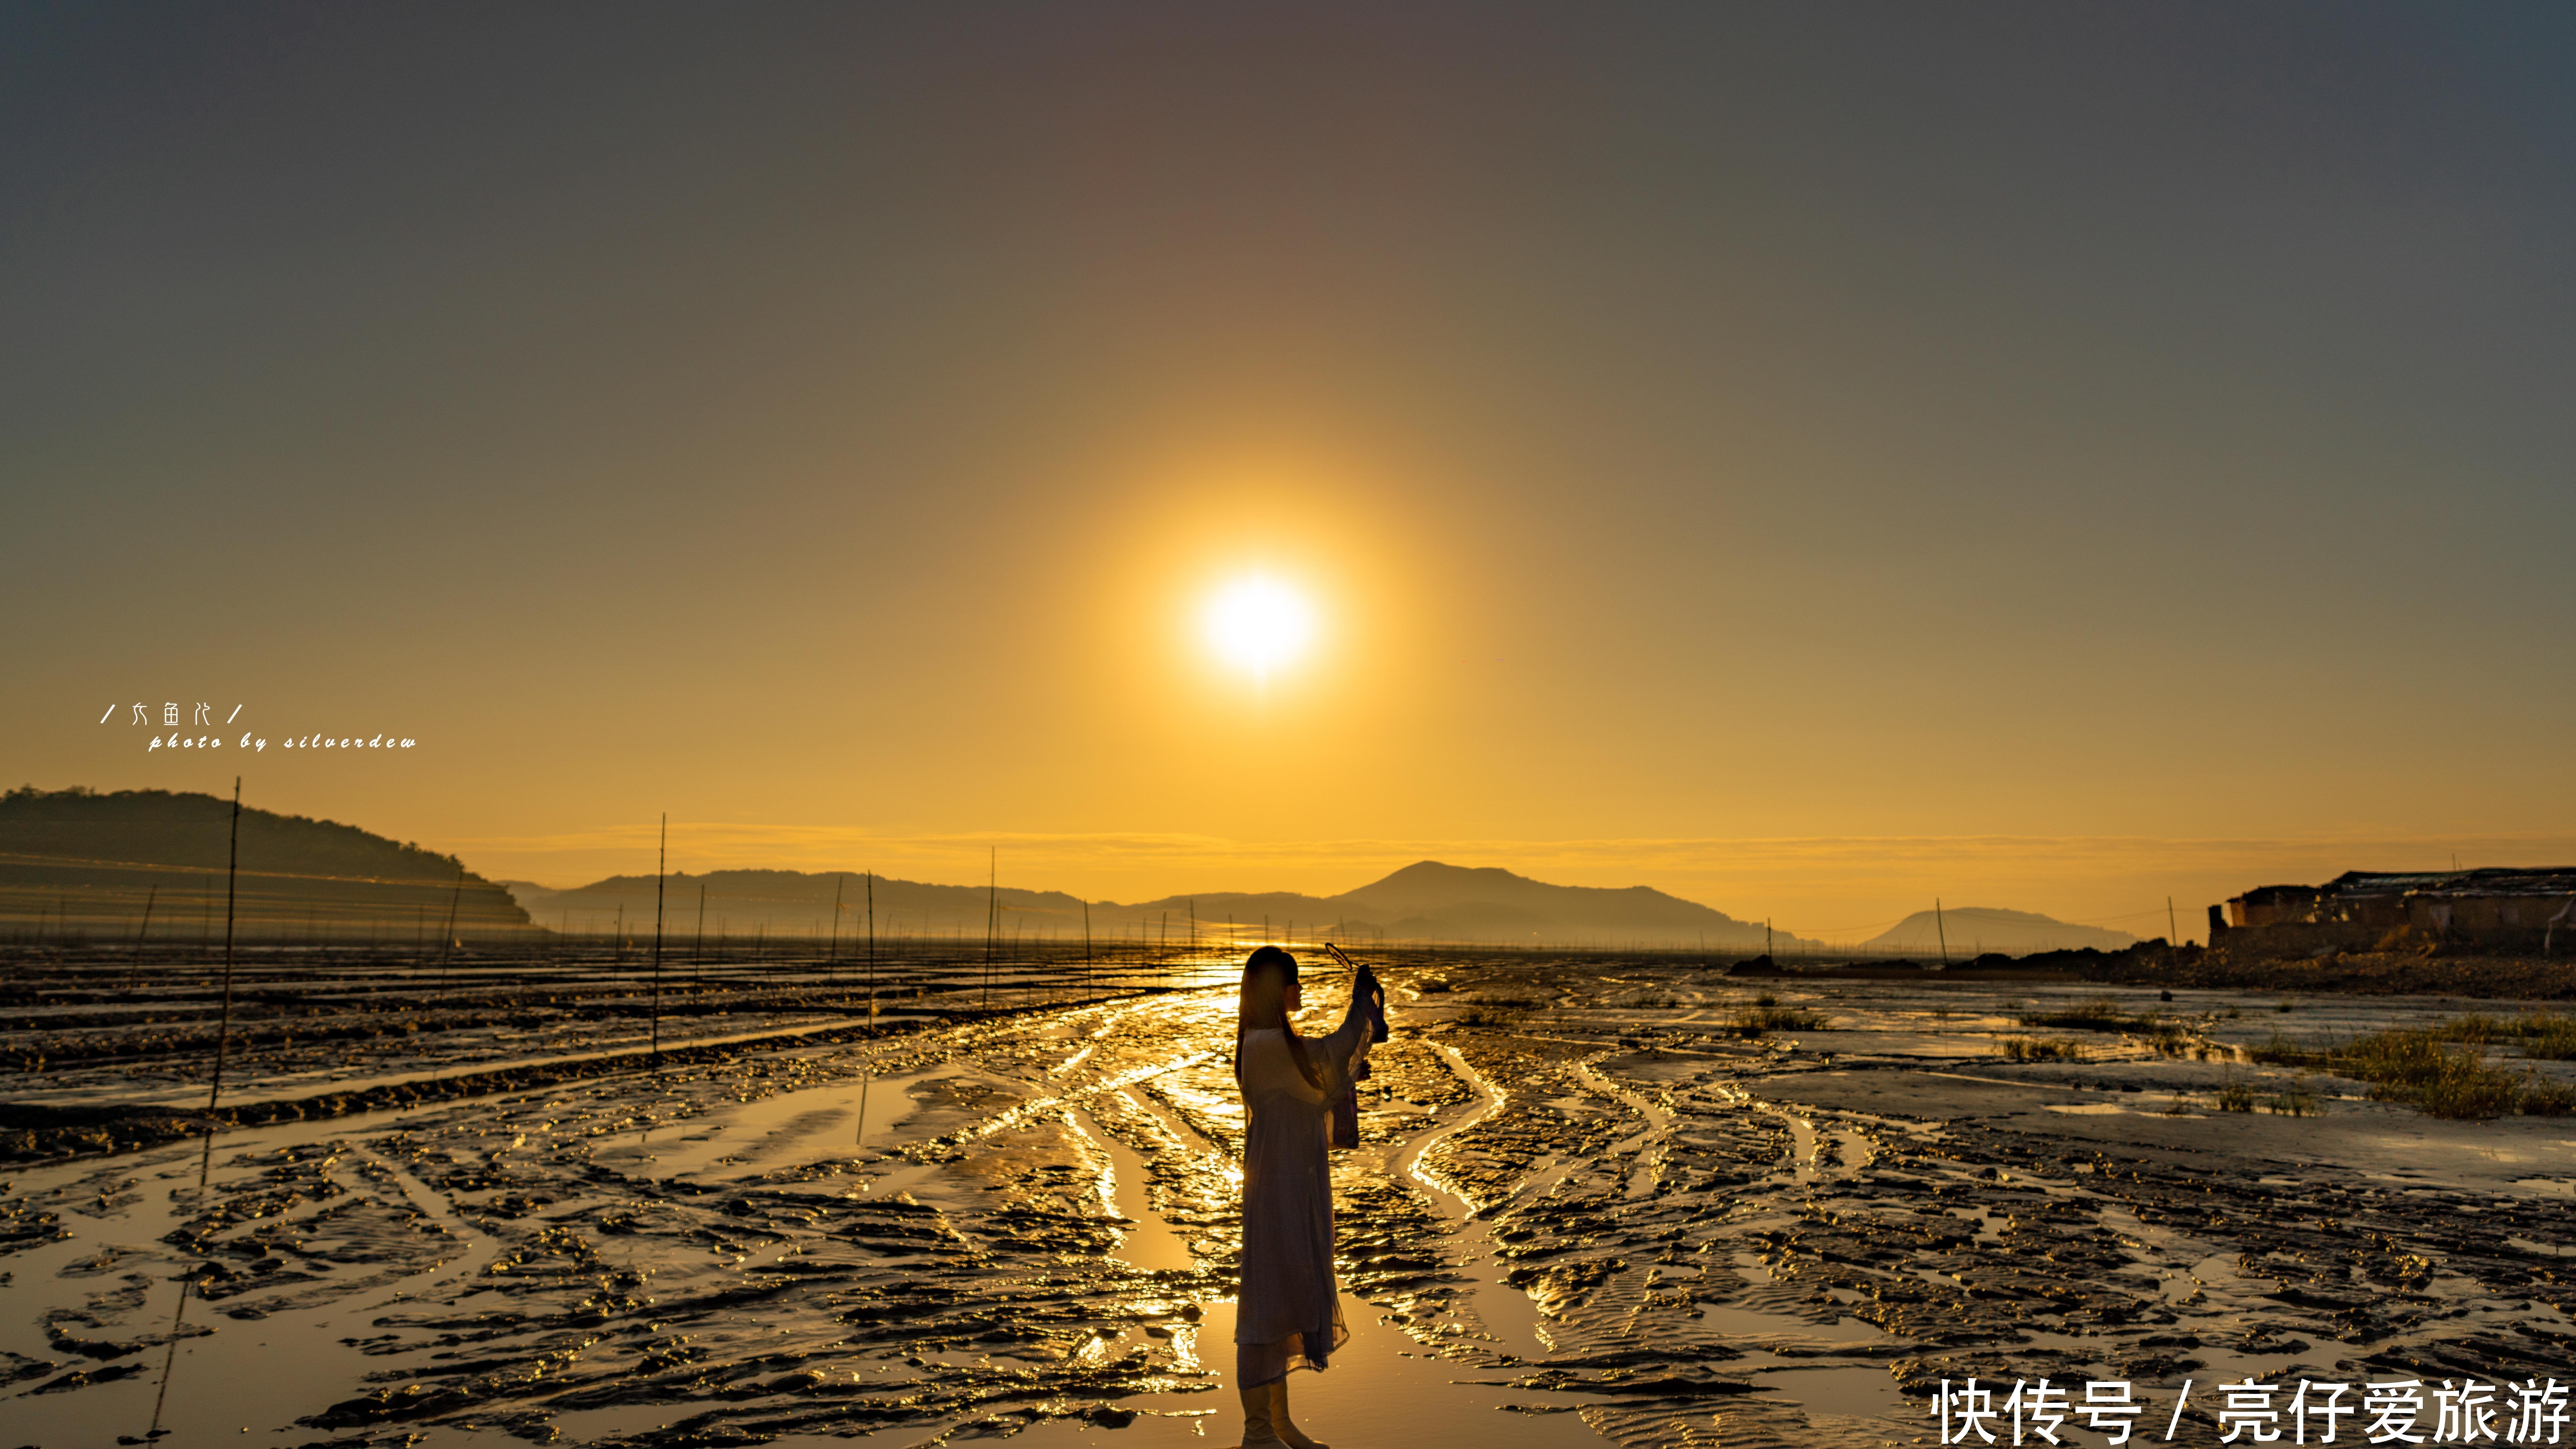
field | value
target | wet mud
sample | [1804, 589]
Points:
[1587, 1207]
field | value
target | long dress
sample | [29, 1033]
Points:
[1290, 1311]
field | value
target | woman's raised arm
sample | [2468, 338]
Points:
[1349, 1042]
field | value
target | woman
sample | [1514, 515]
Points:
[1290, 1308]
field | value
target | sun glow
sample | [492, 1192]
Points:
[1259, 624]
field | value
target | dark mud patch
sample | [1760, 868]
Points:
[47, 1134]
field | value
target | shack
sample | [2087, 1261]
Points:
[2493, 902]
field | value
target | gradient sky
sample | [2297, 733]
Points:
[1808, 458]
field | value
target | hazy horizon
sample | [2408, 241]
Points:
[1841, 870]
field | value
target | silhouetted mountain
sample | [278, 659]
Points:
[93, 860]
[790, 904]
[1973, 930]
[89, 864]
[1427, 901]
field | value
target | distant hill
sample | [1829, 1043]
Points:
[84, 863]
[733, 905]
[1972, 930]
[1425, 901]
[1429, 900]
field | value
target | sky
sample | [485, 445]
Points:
[1811, 459]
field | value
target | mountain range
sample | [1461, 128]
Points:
[1426, 901]
[90, 865]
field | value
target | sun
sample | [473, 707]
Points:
[1259, 624]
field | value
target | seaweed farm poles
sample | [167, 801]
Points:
[136, 976]
[698, 952]
[661, 867]
[224, 1022]
[447, 946]
[832, 953]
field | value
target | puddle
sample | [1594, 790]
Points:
[1841, 1393]
[1150, 1244]
[780, 1131]
[1383, 1388]
[219, 1373]
[1512, 1316]
[1752, 1323]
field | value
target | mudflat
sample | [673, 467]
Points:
[1595, 1201]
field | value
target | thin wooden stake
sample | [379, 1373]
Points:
[661, 867]
[832, 953]
[135, 977]
[447, 952]
[224, 1022]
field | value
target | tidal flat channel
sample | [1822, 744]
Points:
[1586, 1208]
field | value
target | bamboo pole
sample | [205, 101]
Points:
[661, 868]
[447, 952]
[832, 952]
[135, 977]
[224, 1022]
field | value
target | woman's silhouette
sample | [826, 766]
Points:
[1290, 1309]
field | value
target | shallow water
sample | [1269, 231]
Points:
[1608, 1221]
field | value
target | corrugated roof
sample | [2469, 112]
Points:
[2493, 880]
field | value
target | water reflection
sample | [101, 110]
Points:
[170, 1360]
[1028, 1225]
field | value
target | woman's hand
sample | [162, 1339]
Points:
[1364, 988]
[1367, 989]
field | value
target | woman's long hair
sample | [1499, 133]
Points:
[1264, 1006]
